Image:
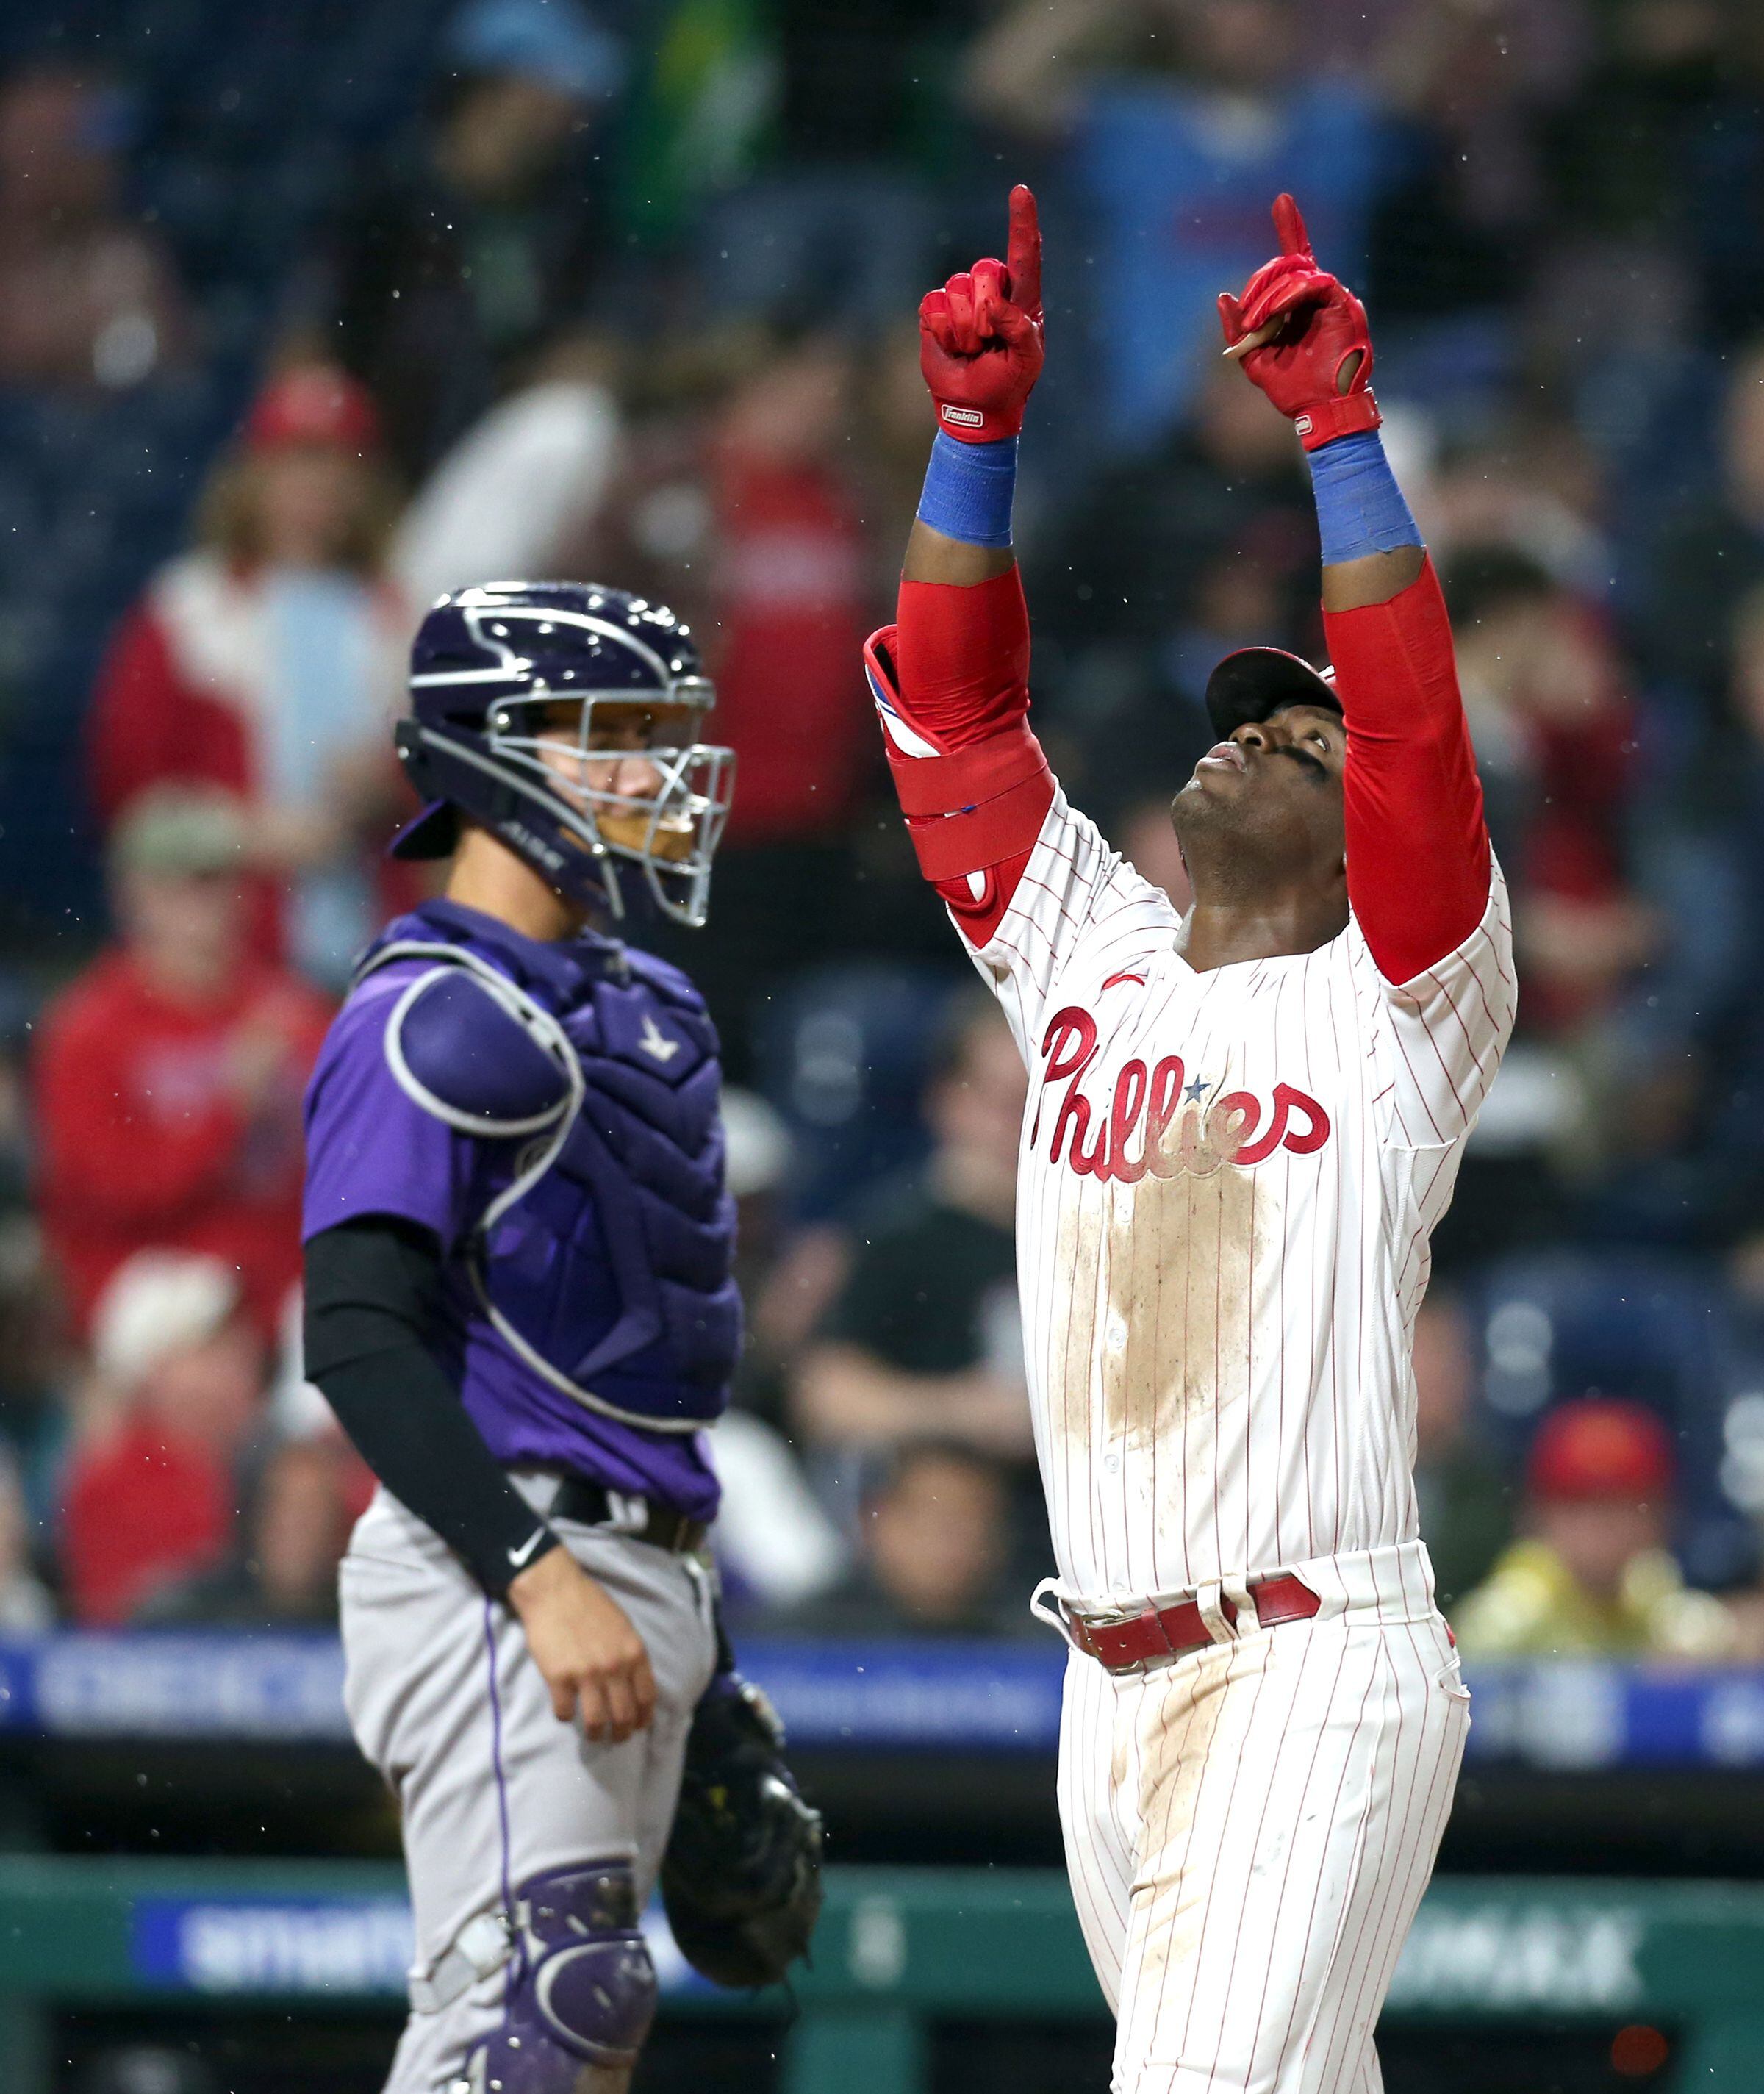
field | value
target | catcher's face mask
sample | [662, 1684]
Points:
[630, 781]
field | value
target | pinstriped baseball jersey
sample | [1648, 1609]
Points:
[1227, 1185]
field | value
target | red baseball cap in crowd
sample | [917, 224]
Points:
[1601, 1447]
[314, 403]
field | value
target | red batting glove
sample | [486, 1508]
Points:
[980, 337]
[1303, 338]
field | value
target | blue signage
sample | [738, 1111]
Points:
[937, 1697]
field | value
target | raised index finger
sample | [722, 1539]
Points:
[1023, 257]
[1289, 226]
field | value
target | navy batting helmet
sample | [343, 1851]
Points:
[495, 671]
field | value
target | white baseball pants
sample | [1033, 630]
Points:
[1248, 1831]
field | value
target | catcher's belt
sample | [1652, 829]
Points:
[644, 1520]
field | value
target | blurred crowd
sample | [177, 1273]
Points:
[626, 287]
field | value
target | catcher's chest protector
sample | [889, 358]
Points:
[606, 1236]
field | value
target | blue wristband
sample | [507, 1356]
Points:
[1360, 508]
[968, 490]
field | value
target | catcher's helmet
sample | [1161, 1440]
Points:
[491, 666]
[1257, 681]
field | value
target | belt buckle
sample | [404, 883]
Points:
[626, 1513]
[1133, 1668]
[1082, 1626]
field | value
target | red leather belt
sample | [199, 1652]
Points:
[1174, 1631]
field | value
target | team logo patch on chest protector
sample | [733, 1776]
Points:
[602, 1252]
[1160, 1119]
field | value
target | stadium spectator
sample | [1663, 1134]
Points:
[743, 512]
[520, 485]
[1466, 1501]
[739, 505]
[934, 1541]
[88, 300]
[1593, 1572]
[788, 1274]
[1697, 1038]
[924, 1336]
[775, 1545]
[26, 1607]
[449, 267]
[294, 1525]
[1173, 122]
[269, 661]
[148, 1496]
[169, 1073]
[1529, 482]
[1555, 741]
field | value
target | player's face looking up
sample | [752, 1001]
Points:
[1265, 807]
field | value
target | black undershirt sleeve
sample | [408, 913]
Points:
[373, 1293]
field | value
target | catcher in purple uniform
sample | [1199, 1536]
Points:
[519, 1302]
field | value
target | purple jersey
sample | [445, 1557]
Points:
[551, 1113]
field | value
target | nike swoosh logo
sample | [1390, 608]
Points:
[517, 1556]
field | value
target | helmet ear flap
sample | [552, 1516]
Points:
[455, 770]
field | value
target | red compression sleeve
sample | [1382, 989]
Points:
[959, 658]
[1417, 843]
[963, 658]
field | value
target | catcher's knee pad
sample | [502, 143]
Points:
[581, 1987]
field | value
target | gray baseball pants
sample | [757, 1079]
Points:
[446, 1703]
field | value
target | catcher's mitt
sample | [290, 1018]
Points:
[741, 1877]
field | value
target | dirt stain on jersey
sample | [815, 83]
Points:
[1180, 1257]
[1161, 1280]
[1078, 1256]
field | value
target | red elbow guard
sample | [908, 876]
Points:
[970, 811]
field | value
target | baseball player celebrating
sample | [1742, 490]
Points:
[519, 1303]
[1242, 1125]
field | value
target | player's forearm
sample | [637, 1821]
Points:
[1374, 579]
[372, 1286]
[962, 640]
[1372, 547]
[933, 557]
[960, 534]
[973, 783]
[1417, 853]
[1411, 798]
